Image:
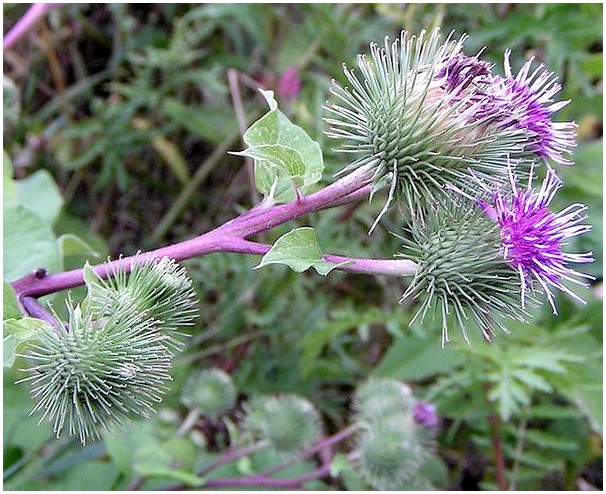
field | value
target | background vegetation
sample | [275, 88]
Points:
[118, 119]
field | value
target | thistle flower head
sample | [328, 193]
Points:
[461, 270]
[533, 237]
[98, 374]
[158, 287]
[289, 423]
[528, 97]
[417, 115]
[379, 397]
[392, 451]
[212, 391]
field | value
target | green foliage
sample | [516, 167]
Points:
[142, 102]
[29, 241]
[299, 250]
[286, 158]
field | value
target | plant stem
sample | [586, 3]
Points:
[230, 237]
[264, 478]
[262, 481]
[495, 437]
[234, 88]
[189, 421]
[234, 454]
[319, 446]
[26, 23]
[34, 309]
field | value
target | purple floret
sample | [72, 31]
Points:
[425, 414]
[528, 99]
[533, 236]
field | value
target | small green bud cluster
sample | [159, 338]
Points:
[111, 362]
[211, 391]
[393, 443]
[288, 423]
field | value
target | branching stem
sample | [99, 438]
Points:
[231, 237]
[26, 23]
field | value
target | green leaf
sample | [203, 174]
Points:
[172, 157]
[9, 348]
[120, 450]
[20, 428]
[508, 393]
[285, 156]
[29, 243]
[339, 464]
[72, 245]
[152, 460]
[413, 358]
[16, 332]
[590, 401]
[532, 379]
[10, 308]
[39, 193]
[90, 476]
[23, 329]
[547, 440]
[299, 250]
[77, 243]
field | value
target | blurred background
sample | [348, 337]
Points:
[118, 120]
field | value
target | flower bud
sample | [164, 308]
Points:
[415, 114]
[289, 423]
[461, 270]
[377, 398]
[160, 288]
[392, 452]
[425, 414]
[211, 391]
[100, 373]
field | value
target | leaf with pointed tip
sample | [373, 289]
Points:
[299, 250]
[283, 153]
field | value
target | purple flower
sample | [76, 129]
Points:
[528, 99]
[461, 71]
[533, 237]
[289, 84]
[425, 414]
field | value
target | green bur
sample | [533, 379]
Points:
[461, 270]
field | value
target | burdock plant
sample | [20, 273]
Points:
[450, 141]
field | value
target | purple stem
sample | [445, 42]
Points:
[316, 448]
[34, 309]
[263, 478]
[26, 23]
[261, 481]
[230, 456]
[230, 237]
